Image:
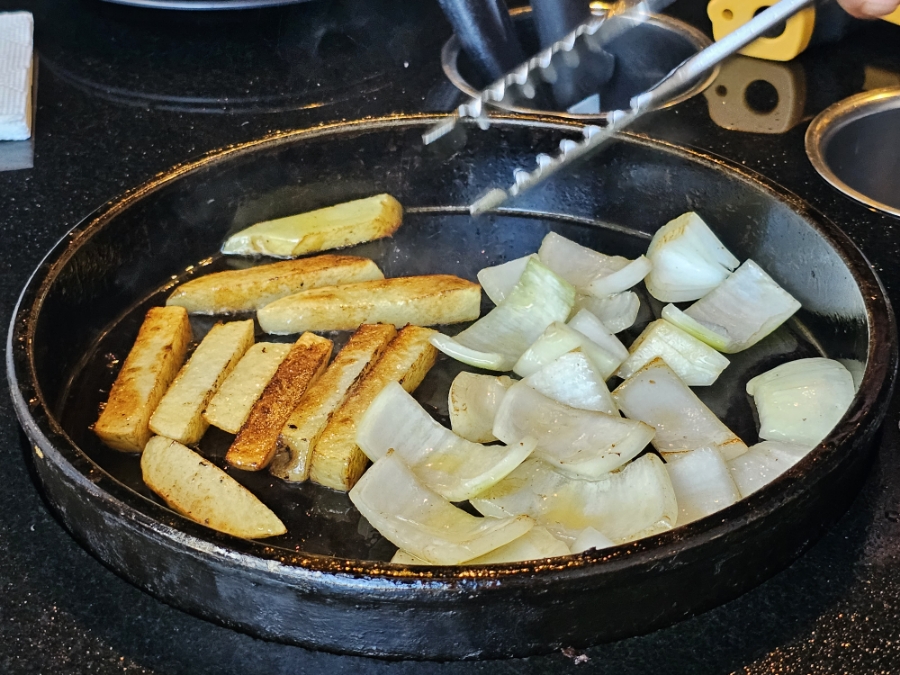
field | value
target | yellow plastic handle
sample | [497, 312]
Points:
[729, 15]
[893, 17]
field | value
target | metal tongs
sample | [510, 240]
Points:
[600, 30]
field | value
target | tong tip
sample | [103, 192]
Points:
[488, 202]
[440, 130]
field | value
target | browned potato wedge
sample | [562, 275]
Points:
[201, 491]
[256, 442]
[337, 461]
[420, 301]
[308, 421]
[149, 369]
[229, 408]
[248, 290]
[332, 227]
[179, 415]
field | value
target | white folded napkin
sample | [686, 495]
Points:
[16, 64]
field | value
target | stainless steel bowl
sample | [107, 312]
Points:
[644, 56]
[855, 146]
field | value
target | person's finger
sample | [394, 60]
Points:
[869, 9]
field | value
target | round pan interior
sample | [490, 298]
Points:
[326, 583]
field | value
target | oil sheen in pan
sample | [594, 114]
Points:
[432, 240]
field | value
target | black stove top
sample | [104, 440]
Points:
[126, 92]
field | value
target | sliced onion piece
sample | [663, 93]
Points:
[473, 402]
[591, 327]
[678, 318]
[557, 340]
[625, 505]
[745, 308]
[620, 280]
[471, 357]
[657, 396]
[538, 299]
[498, 281]
[801, 401]
[763, 463]
[575, 263]
[423, 523]
[693, 361]
[451, 466]
[578, 442]
[402, 557]
[588, 539]
[688, 260]
[617, 312]
[702, 484]
[573, 380]
[536, 544]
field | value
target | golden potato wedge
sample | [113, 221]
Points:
[248, 290]
[149, 369]
[309, 418]
[256, 442]
[332, 227]
[201, 491]
[421, 301]
[337, 461]
[179, 415]
[229, 408]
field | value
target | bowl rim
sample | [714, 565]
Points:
[51, 443]
[830, 121]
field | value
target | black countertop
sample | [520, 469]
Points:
[126, 93]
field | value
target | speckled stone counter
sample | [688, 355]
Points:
[127, 93]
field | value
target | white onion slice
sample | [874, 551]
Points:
[621, 280]
[763, 463]
[578, 442]
[590, 538]
[423, 523]
[801, 401]
[573, 381]
[591, 327]
[637, 501]
[688, 260]
[473, 402]
[657, 396]
[538, 299]
[702, 484]
[617, 312]
[693, 361]
[451, 466]
[575, 263]
[560, 339]
[498, 281]
[536, 544]
[471, 357]
[678, 318]
[745, 308]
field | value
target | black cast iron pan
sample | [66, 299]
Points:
[326, 583]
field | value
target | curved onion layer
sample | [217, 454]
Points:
[591, 327]
[657, 396]
[588, 539]
[688, 260]
[473, 402]
[561, 339]
[801, 401]
[420, 521]
[536, 544]
[471, 357]
[573, 381]
[693, 361]
[693, 327]
[578, 442]
[451, 466]
[575, 263]
[617, 312]
[621, 280]
[745, 308]
[702, 484]
[636, 502]
[763, 463]
[538, 299]
[499, 280]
